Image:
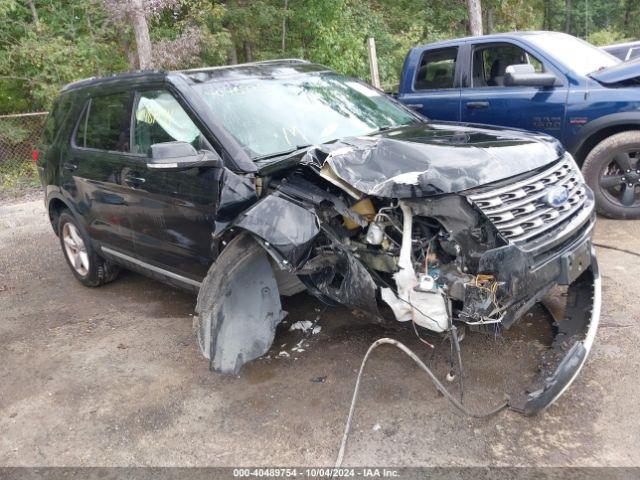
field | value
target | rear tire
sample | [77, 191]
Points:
[86, 265]
[612, 170]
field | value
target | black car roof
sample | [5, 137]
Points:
[266, 69]
[263, 69]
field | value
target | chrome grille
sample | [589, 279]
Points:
[520, 211]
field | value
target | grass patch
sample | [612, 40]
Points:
[18, 178]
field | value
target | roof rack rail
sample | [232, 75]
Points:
[106, 78]
[248, 64]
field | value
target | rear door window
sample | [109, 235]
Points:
[437, 69]
[106, 123]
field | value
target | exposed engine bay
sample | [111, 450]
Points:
[480, 258]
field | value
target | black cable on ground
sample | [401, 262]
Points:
[623, 250]
[441, 388]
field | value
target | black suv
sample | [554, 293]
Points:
[250, 182]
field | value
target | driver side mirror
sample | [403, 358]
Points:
[525, 75]
[174, 156]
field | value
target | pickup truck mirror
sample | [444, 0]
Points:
[526, 76]
[169, 156]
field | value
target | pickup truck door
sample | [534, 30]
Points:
[434, 88]
[485, 98]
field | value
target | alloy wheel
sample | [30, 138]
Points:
[75, 249]
[620, 179]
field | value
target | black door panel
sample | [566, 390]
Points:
[174, 216]
[96, 188]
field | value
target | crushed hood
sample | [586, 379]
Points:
[428, 159]
[622, 73]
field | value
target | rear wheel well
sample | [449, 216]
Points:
[56, 207]
[581, 154]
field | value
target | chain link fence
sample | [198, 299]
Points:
[19, 134]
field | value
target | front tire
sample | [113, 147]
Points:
[612, 170]
[86, 265]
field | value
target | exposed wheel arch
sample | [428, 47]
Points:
[56, 207]
[238, 306]
[581, 150]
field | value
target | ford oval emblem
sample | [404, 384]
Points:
[556, 196]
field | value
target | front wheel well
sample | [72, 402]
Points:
[595, 138]
[56, 207]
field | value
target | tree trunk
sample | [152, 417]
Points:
[284, 24]
[567, 16]
[546, 15]
[127, 47]
[248, 54]
[34, 12]
[233, 53]
[627, 13]
[475, 17]
[490, 19]
[141, 31]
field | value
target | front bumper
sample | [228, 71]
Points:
[528, 275]
[571, 345]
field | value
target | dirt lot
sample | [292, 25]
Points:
[111, 376]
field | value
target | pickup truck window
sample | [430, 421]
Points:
[437, 69]
[633, 53]
[491, 62]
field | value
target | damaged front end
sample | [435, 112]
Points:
[432, 248]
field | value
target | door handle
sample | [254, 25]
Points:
[69, 167]
[415, 106]
[133, 181]
[474, 105]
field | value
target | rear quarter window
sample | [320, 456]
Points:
[55, 120]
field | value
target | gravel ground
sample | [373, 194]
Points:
[111, 377]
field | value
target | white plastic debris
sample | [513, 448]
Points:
[305, 326]
[284, 354]
[298, 347]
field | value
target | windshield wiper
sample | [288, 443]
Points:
[283, 153]
[384, 128]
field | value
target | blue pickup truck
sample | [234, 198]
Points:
[541, 81]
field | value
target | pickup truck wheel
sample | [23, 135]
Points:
[86, 265]
[612, 170]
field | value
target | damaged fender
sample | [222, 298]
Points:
[285, 229]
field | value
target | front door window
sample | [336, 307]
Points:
[160, 118]
[490, 63]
